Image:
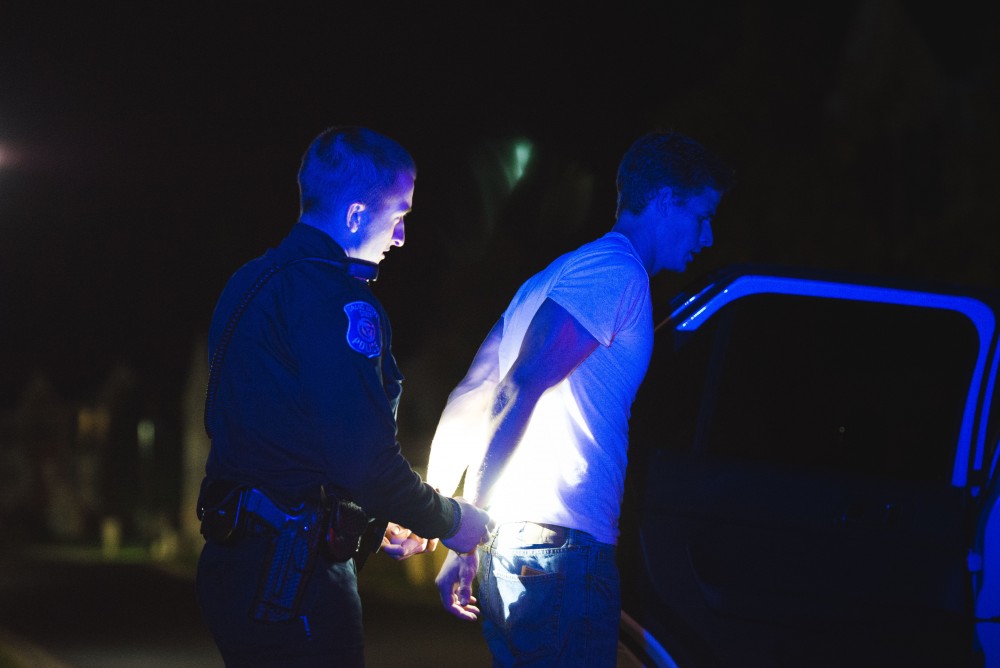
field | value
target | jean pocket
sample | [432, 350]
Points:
[523, 601]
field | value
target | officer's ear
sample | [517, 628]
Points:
[355, 218]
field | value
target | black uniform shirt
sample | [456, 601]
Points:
[308, 389]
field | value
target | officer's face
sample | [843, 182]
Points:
[383, 227]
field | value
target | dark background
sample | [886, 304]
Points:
[147, 150]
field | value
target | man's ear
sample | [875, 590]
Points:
[355, 216]
[664, 200]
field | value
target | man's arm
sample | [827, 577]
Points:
[462, 420]
[461, 430]
[553, 346]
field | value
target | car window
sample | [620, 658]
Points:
[813, 382]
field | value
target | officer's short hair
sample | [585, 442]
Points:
[671, 159]
[350, 164]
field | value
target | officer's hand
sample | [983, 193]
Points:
[473, 529]
[400, 543]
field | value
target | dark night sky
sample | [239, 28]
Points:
[148, 150]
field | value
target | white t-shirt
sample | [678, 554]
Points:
[569, 468]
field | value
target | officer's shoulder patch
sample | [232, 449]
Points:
[364, 333]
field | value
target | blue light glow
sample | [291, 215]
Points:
[685, 305]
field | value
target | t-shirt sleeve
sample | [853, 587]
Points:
[603, 291]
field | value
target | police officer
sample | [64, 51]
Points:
[301, 408]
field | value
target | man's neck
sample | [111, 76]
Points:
[638, 232]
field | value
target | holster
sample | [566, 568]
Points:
[287, 566]
[336, 529]
[230, 511]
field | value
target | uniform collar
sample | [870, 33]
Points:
[307, 241]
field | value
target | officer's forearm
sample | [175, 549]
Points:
[395, 492]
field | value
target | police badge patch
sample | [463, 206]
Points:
[363, 331]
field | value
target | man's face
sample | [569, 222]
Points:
[685, 228]
[383, 225]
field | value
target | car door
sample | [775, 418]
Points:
[799, 475]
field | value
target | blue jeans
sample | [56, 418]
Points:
[549, 605]
[328, 631]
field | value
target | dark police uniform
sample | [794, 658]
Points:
[306, 397]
